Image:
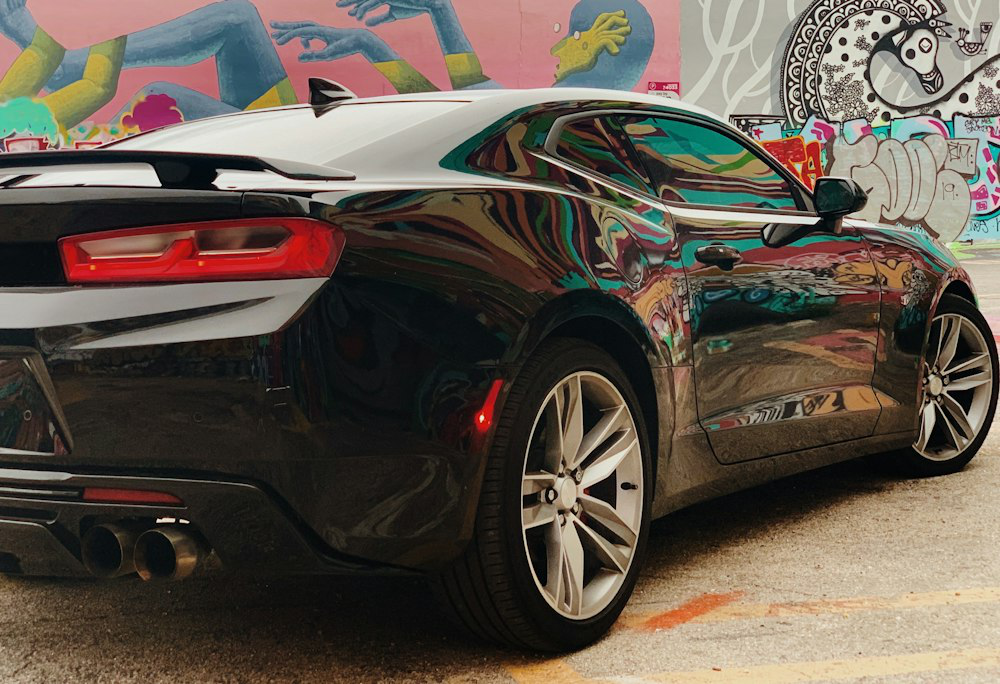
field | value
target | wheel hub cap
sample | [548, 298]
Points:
[935, 385]
[567, 494]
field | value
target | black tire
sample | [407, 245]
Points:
[489, 590]
[911, 462]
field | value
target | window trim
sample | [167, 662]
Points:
[554, 137]
[800, 193]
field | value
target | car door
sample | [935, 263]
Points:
[784, 339]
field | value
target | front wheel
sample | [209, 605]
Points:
[564, 511]
[959, 390]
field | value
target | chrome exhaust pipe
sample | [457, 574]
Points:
[170, 553]
[107, 550]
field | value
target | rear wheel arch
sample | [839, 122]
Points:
[618, 342]
[611, 325]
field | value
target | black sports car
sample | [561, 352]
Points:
[482, 336]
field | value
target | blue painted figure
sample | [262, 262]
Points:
[609, 43]
[231, 31]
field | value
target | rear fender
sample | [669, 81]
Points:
[609, 323]
[581, 304]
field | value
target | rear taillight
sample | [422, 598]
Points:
[248, 249]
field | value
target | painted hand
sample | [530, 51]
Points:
[9, 6]
[398, 9]
[338, 42]
[581, 51]
[16, 22]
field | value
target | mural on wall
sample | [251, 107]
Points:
[901, 95]
[230, 55]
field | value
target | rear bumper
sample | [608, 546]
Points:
[353, 413]
[43, 518]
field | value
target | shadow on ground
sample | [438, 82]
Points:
[306, 628]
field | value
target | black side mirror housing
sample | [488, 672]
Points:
[837, 197]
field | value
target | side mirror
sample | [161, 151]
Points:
[837, 197]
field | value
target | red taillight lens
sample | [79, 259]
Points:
[248, 249]
[130, 496]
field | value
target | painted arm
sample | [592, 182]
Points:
[230, 31]
[75, 102]
[32, 68]
[463, 64]
[339, 43]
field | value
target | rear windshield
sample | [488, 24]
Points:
[301, 134]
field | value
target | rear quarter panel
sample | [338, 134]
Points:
[439, 291]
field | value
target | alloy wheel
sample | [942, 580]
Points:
[957, 388]
[582, 495]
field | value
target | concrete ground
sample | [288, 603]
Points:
[843, 574]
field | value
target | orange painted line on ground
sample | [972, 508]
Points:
[747, 611]
[691, 610]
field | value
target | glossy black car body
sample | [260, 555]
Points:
[329, 426]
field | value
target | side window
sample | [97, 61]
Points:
[694, 164]
[598, 145]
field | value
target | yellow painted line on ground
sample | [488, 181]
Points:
[559, 671]
[555, 671]
[747, 611]
[835, 670]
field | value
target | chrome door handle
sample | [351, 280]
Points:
[717, 254]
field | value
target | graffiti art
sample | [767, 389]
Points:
[900, 95]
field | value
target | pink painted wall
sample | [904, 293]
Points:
[512, 38]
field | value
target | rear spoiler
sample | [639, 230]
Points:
[176, 170]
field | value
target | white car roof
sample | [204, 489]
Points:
[526, 97]
[415, 149]
[417, 152]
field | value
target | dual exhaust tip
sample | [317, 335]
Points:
[155, 553]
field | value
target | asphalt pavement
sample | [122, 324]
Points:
[844, 574]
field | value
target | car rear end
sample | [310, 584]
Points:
[134, 382]
[181, 377]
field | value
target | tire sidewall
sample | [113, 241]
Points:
[581, 356]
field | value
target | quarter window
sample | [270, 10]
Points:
[599, 145]
[694, 164]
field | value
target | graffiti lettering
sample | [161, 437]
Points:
[908, 182]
